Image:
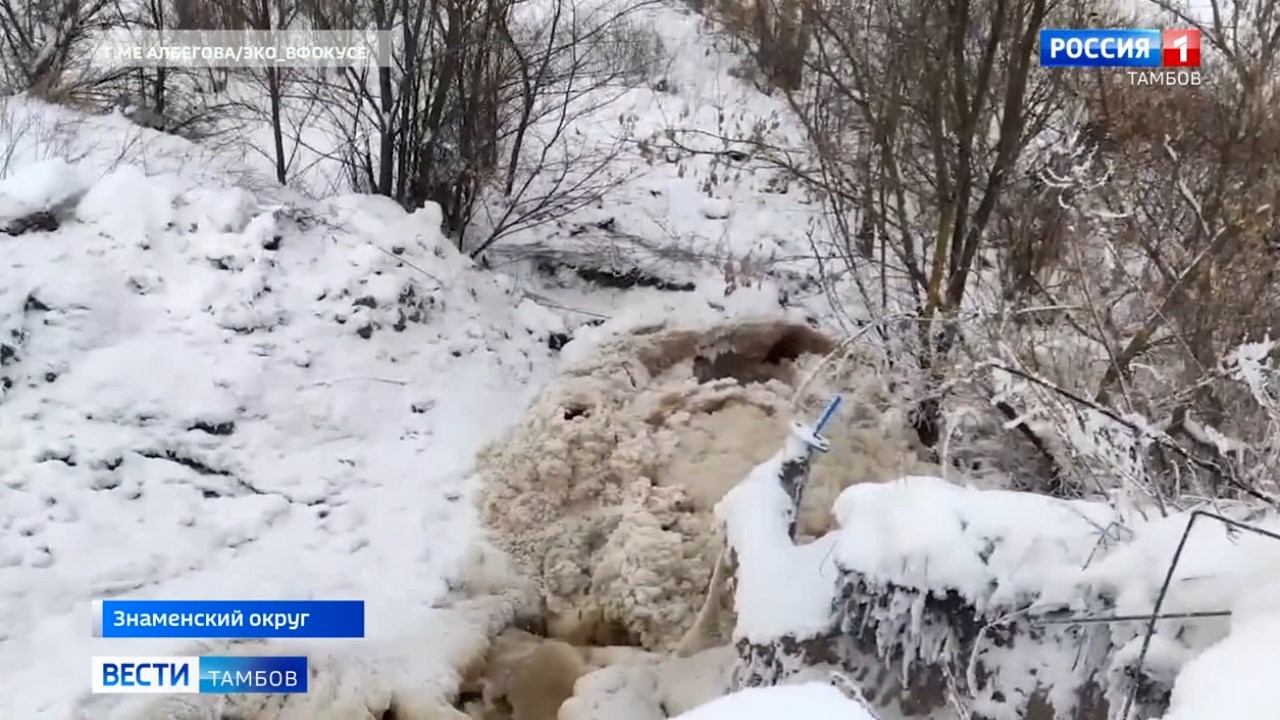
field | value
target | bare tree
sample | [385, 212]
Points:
[477, 111]
[567, 68]
[273, 79]
[920, 113]
[423, 127]
[42, 43]
[172, 99]
[1007, 211]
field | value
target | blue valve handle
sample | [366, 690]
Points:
[812, 436]
[832, 408]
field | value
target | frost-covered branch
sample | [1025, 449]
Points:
[1143, 432]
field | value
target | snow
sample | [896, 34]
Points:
[717, 208]
[812, 701]
[993, 547]
[197, 412]
[782, 588]
[1235, 678]
[40, 186]
[1007, 552]
[1163, 659]
[1218, 570]
[190, 414]
[675, 183]
[215, 388]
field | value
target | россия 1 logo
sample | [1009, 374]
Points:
[1173, 56]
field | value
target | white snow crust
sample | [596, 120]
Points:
[812, 701]
[190, 409]
[992, 546]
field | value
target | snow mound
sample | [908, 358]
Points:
[1234, 678]
[45, 186]
[212, 394]
[1221, 568]
[603, 494]
[994, 547]
[1031, 603]
[811, 701]
[782, 588]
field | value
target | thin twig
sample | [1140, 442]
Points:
[1090, 620]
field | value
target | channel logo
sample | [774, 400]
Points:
[203, 675]
[1121, 48]
[1180, 48]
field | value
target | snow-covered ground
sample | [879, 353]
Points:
[685, 197]
[686, 182]
[212, 396]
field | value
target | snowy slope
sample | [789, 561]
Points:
[212, 388]
[209, 396]
[685, 195]
[686, 181]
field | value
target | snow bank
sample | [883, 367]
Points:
[604, 493]
[669, 209]
[209, 394]
[34, 134]
[811, 701]
[933, 579]
[40, 187]
[1218, 662]
[1000, 549]
[1220, 569]
[1234, 678]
